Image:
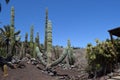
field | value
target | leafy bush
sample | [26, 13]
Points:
[102, 57]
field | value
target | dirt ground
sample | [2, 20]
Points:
[31, 72]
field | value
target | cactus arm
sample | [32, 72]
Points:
[39, 55]
[71, 57]
[60, 59]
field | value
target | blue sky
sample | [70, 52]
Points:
[81, 21]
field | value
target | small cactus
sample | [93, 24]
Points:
[5, 70]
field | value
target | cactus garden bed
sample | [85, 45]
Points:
[37, 72]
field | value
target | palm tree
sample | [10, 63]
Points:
[6, 38]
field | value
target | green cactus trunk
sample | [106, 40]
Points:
[46, 26]
[60, 59]
[26, 37]
[56, 62]
[25, 44]
[31, 33]
[12, 23]
[22, 51]
[39, 56]
[31, 40]
[56, 52]
[49, 43]
[12, 31]
[71, 58]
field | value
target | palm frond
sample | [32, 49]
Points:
[0, 7]
[7, 28]
[7, 1]
[1, 31]
[17, 33]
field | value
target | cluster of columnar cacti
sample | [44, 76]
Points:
[48, 48]
[35, 47]
[66, 52]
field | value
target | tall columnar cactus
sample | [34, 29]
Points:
[31, 40]
[49, 41]
[12, 17]
[49, 36]
[71, 57]
[26, 37]
[36, 44]
[37, 39]
[12, 22]
[48, 48]
[31, 33]
[46, 26]
[56, 52]
[25, 44]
